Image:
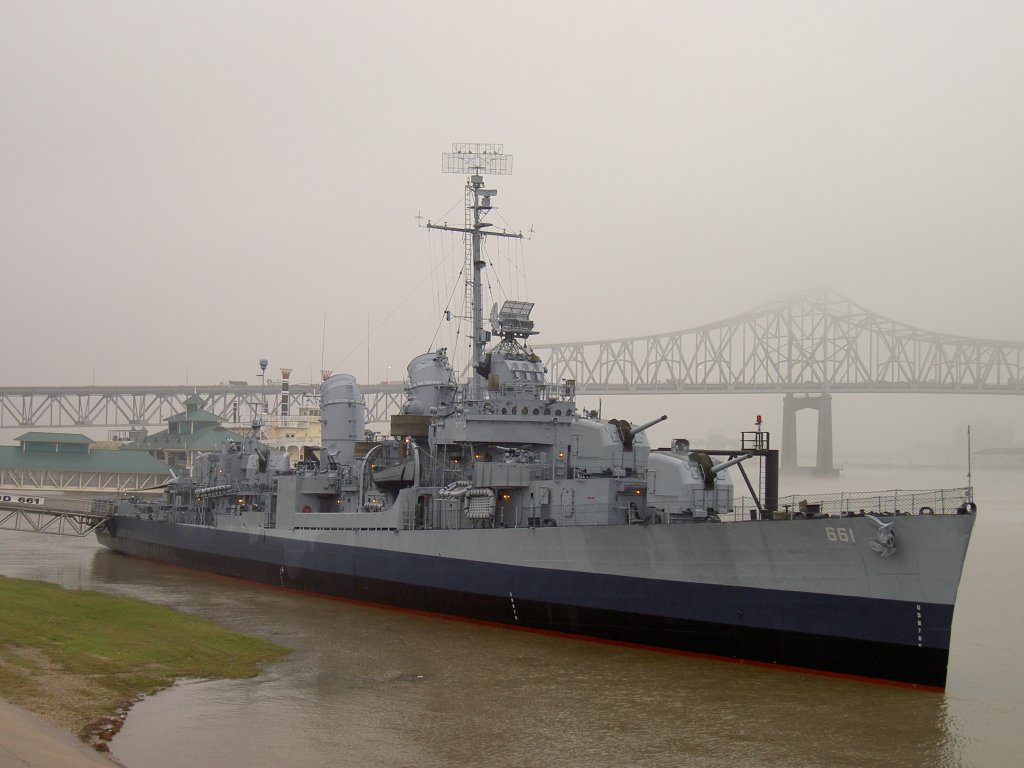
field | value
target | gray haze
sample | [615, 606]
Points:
[187, 187]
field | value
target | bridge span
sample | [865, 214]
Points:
[806, 348]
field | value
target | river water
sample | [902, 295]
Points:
[368, 686]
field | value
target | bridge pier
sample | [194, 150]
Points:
[823, 405]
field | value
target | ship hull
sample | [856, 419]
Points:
[853, 614]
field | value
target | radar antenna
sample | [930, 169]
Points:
[476, 160]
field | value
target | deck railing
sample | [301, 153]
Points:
[942, 501]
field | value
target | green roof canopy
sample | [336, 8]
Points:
[55, 437]
[128, 462]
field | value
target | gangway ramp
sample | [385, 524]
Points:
[59, 516]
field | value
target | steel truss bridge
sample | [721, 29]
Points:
[810, 343]
[807, 347]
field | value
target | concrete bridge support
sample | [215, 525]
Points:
[823, 405]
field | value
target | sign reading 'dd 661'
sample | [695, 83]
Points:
[13, 497]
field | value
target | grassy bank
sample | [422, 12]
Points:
[77, 657]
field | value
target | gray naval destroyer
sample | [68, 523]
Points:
[499, 499]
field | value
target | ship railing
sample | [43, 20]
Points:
[935, 501]
[103, 506]
[556, 393]
[445, 477]
[133, 506]
[450, 514]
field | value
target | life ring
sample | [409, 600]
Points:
[307, 508]
[926, 511]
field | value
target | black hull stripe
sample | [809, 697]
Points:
[568, 607]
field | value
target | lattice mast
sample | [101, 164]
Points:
[476, 160]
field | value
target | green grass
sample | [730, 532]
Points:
[75, 656]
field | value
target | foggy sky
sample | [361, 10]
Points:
[187, 187]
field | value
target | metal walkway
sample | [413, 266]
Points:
[60, 517]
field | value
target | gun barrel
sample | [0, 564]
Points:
[637, 430]
[726, 464]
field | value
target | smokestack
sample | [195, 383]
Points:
[342, 419]
[285, 373]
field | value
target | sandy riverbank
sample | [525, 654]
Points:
[28, 741]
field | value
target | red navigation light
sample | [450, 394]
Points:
[759, 419]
